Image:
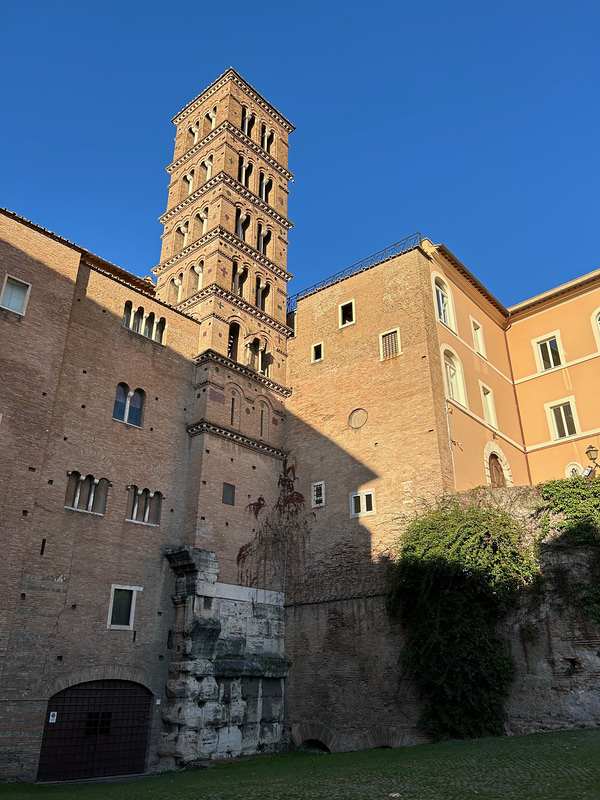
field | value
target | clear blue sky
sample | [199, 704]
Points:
[476, 123]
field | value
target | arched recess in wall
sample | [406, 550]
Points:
[379, 736]
[234, 398]
[315, 732]
[497, 469]
[235, 338]
[265, 415]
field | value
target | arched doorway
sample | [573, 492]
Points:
[95, 729]
[497, 477]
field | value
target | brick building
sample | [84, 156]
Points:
[139, 421]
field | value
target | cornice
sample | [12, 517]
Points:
[233, 76]
[216, 290]
[217, 358]
[223, 177]
[234, 241]
[204, 426]
[226, 125]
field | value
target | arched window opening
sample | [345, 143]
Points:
[181, 237]
[263, 136]
[143, 506]
[196, 274]
[159, 332]
[266, 359]
[264, 421]
[263, 237]
[265, 185]
[259, 288]
[244, 122]
[454, 378]
[187, 185]
[242, 223]
[129, 406]
[233, 341]
[173, 292]
[264, 293]
[127, 314]
[254, 353]
[138, 320]
[269, 142]
[179, 284]
[207, 167]
[192, 135]
[497, 476]
[239, 274]
[149, 326]
[234, 409]
[86, 494]
[443, 303]
[210, 119]
[201, 223]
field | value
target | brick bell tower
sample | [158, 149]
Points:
[223, 262]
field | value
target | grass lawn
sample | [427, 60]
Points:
[552, 766]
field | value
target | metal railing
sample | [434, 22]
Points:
[381, 255]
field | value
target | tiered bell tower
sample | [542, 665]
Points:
[223, 262]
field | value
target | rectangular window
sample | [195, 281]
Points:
[478, 342]
[121, 610]
[489, 408]
[564, 421]
[318, 494]
[14, 295]
[362, 504]
[549, 353]
[346, 312]
[228, 494]
[389, 344]
[317, 352]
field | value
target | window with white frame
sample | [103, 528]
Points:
[489, 408]
[121, 609]
[478, 341]
[143, 506]
[86, 493]
[317, 352]
[549, 353]
[455, 385]
[15, 294]
[563, 419]
[318, 494]
[443, 302]
[362, 504]
[389, 344]
[346, 314]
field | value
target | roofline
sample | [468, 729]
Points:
[564, 288]
[231, 74]
[441, 248]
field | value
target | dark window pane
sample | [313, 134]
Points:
[136, 407]
[229, 494]
[119, 409]
[121, 610]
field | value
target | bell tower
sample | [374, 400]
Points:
[223, 262]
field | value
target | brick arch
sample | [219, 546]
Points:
[379, 736]
[493, 448]
[105, 673]
[306, 731]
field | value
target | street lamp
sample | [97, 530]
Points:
[592, 454]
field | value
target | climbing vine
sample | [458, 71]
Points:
[457, 571]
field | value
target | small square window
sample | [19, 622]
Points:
[318, 494]
[228, 494]
[346, 311]
[121, 610]
[389, 344]
[317, 352]
[14, 295]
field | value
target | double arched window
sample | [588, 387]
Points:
[129, 405]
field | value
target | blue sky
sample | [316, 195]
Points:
[475, 123]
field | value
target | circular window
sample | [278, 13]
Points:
[573, 469]
[357, 418]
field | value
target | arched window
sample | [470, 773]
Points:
[235, 409]
[149, 326]
[242, 223]
[454, 378]
[244, 172]
[497, 477]
[196, 273]
[443, 300]
[138, 320]
[263, 421]
[192, 135]
[127, 314]
[261, 293]
[265, 185]
[159, 331]
[254, 354]
[209, 122]
[248, 120]
[129, 406]
[266, 359]
[143, 506]
[86, 494]
[233, 341]
[181, 237]
[200, 223]
[239, 275]
[173, 293]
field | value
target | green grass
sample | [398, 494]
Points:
[552, 766]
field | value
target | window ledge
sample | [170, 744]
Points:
[141, 522]
[129, 424]
[120, 627]
[85, 511]
[347, 324]
[12, 310]
[551, 369]
[447, 327]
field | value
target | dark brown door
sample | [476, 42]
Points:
[496, 473]
[95, 729]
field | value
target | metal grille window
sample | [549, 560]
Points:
[389, 344]
[564, 420]
[549, 353]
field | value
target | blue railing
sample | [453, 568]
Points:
[381, 255]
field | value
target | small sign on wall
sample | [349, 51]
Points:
[52, 716]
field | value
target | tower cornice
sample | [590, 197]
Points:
[233, 76]
[233, 240]
[212, 357]
[223, 177]
[204, 426]
[228, 126]
[215, 290]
